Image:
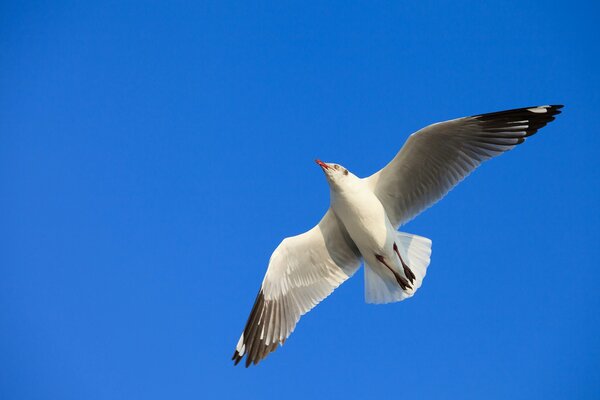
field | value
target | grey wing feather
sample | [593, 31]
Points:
[302, 271]
[436, 158]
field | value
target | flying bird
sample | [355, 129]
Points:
[361, 223]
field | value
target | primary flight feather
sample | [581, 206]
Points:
[362, 221]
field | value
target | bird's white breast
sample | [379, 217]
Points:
[363, 216]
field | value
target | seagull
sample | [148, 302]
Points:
[361, 224]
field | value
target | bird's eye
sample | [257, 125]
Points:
[345, 172]
[336, 166]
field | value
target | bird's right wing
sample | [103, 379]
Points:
[303, 270]
[436, 158]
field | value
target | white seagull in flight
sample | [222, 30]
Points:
[362, 221]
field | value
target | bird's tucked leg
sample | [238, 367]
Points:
[407, 271]
[399, 278]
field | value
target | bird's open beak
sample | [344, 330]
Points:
[322, 164]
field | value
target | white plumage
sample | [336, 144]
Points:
[361, 223]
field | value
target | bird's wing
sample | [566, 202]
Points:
[436, 158]
[303, 270]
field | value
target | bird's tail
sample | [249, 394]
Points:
[381, 286]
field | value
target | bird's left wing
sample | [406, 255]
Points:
[436, 158]
[303, 270]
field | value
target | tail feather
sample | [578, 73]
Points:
[380, 284]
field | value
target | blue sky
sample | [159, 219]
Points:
[152, 156]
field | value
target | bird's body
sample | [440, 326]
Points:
[362, 221]
[363, 216]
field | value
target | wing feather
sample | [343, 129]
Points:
[435, 159]
[303, 270]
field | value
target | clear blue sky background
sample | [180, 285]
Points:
[152, 156]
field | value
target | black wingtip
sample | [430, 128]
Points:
[255, 348]
[536, 116]
[236, 358]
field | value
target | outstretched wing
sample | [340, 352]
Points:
[303, 270]
[436, 158]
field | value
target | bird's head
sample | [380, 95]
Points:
[337, 176]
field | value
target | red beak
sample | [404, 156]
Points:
[322, 164]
